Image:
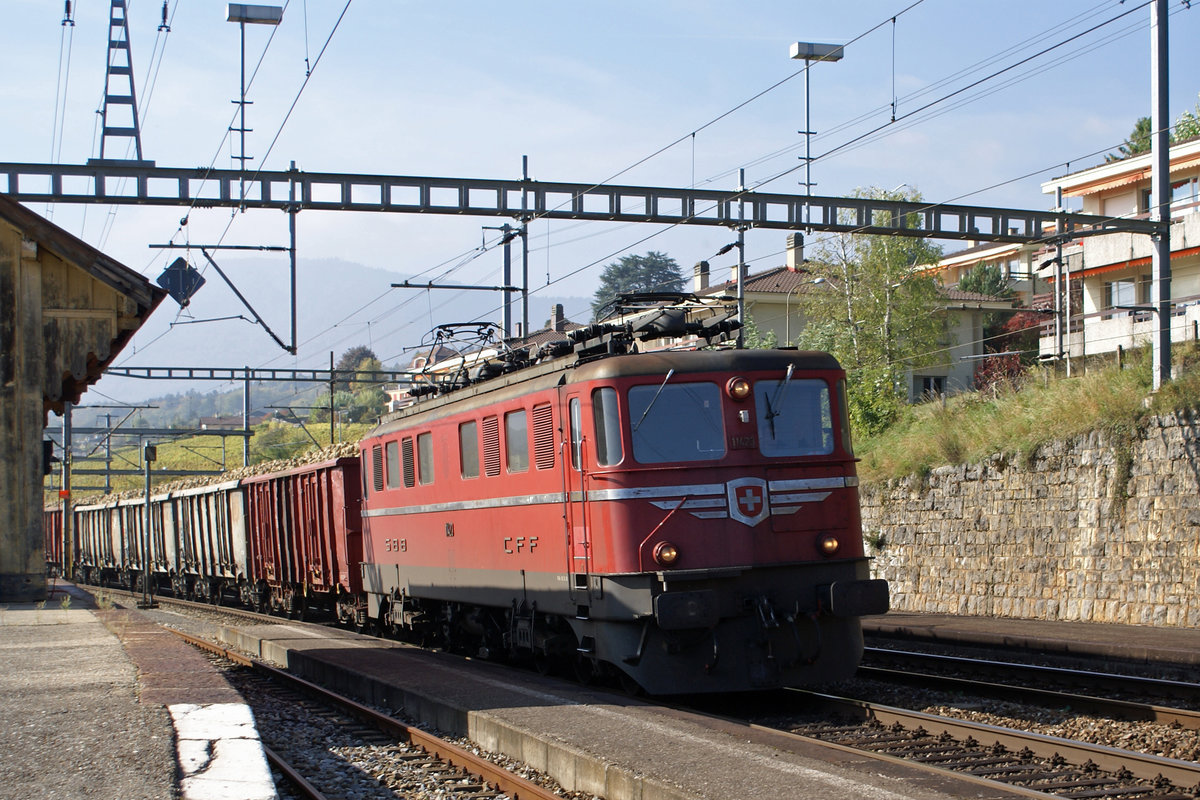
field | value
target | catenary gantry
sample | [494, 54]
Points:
[129, 183]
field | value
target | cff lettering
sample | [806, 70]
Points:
[519, 543]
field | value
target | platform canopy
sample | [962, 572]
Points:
[66, 310]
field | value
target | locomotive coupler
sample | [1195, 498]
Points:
[766, 613]
[816, 637]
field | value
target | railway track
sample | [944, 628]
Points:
[368, 749]
[1026, 762]
[1108, 694]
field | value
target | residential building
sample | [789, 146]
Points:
[1110, 276]
[772, 302]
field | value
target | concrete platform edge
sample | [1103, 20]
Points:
[574, 769]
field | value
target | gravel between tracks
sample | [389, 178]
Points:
[1142, 737]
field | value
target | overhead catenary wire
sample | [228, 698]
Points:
[640, 241]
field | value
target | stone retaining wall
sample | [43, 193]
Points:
[1099, 530]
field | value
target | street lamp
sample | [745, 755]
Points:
[809, 52]
[787, 307]
[243, 13]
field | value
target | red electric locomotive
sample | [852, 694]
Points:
[684, 521]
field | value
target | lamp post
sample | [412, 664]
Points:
[243, 13]
[808, 52]
[787, 308]
[149, 455]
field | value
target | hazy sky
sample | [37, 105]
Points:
[585, 90]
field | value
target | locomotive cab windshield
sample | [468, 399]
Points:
[687, 421]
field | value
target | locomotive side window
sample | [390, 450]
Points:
[393, 464]
[377, 467]
[425, 458]
[516, 440]
[410, 479]
[676, 422]
[608, 427]
[844, 417]
[795, 417]
[576, 426]
[468, 449]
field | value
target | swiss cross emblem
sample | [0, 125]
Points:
[748, 500]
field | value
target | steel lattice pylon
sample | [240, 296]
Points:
[119, 94]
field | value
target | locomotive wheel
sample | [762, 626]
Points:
[628, 685]
[586, 669]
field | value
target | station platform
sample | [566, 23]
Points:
[103, 703]
[1133, 643]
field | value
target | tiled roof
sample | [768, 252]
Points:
[779, 279]
[544, 335]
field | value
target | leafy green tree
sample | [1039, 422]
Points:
[350, 360]
[875, 312]
[1188, 125]
[985, 279]
[754, 339]
[1138, 142]
[653, 272]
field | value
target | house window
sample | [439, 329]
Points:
[1127, 292]
[927, 387]
[1183, 193]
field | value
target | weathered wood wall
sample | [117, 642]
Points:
[65, 311]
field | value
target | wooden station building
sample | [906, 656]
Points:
[66, 310]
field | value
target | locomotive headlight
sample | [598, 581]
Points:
[666, 553]
[738, 389]
[829, 544]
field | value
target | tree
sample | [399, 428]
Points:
[653, 272]
[350, 361]
[875, 312]
[1138, 142]
[754, 339]
[987, 279]
[1188, 125]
